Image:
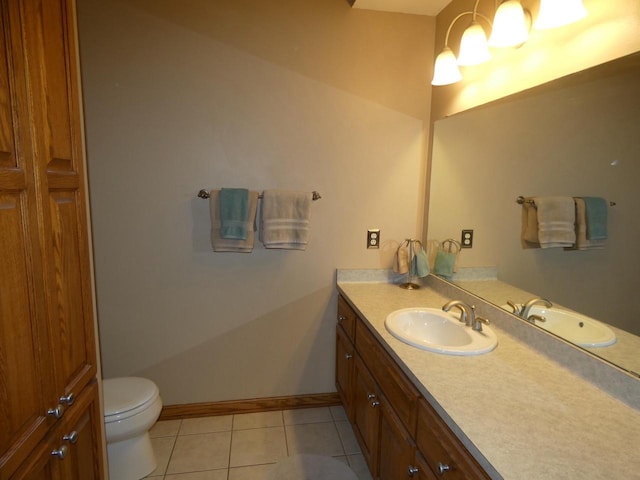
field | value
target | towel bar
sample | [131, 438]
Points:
[205, 194]
[522, 200]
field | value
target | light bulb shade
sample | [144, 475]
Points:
[510, 25]
[473, 46]
[556, 13]
[446, 71]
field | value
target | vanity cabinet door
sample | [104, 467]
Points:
[345, 359]
[347, 318]
[396, 448]
[366, 411]
[442, 450]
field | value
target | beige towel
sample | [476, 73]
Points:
[529, 233]
[582, 242]
[556, 221]
[220, 244]
[285, 219]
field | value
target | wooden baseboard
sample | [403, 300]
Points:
[190, 410]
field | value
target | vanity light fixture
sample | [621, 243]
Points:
[557, 13]
[510, 28]
[511, 25]
[474, 49]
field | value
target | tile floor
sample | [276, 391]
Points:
[246, 446]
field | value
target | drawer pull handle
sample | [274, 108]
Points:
[341, 318]
[371, 396]
[56, 412]
[71, 437]
[443, 468]
[60, 453]
[412, 470]
[348, 356]
[68, 399]
[375, 403]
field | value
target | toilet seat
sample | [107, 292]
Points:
[127, 396]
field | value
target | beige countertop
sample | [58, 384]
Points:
[521, 414]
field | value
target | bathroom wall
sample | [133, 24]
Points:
[294, 94]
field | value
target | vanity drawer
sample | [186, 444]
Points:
[346, 318]
[392, 381]
[441, 447]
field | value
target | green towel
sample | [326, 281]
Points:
[234, 211]
[445, 261]
[596, 213]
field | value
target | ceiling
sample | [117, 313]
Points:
[417, 7]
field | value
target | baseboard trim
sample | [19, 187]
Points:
[190, 410]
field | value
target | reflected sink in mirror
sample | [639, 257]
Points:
[438, 331]
[573, 327]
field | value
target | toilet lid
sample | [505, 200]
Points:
[127, 393]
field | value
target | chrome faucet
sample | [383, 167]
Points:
[524, 313]
[468, 315]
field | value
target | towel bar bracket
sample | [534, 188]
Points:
[205, 194]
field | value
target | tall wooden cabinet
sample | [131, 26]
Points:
[50, 422]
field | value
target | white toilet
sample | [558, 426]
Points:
[131, 407]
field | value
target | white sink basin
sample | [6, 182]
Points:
[573, 327]
[437, 331]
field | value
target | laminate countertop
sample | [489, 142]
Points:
[521, 414]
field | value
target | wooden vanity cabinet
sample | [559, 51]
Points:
[400, 434]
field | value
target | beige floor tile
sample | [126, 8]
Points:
[207, 451]
[257, 446]
[318, 438]
[307, 415]
[348, 438]
[338, 413]
[257, 420]
[165, 428]
[162, 447]
[207, 475]
[193, 426]
[254, 472]
[359, 465]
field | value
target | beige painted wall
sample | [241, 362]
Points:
[191, 94]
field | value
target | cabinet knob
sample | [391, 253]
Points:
[371, 396]
[443, 468]
[348, 356]
[71, 437]
[341, 318]
[411, 471]
[375, 403]
[68, 399]
[60, 453]
[56, 412]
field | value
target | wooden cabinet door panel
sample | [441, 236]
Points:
[25, 374]
[396, 450]
[345, 358]
[366, 413]
[49, 33]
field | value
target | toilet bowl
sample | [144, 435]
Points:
[131, 407]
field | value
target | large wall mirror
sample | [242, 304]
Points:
[575, 136]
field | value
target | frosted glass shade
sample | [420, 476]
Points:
[510, 25]
[446, 71]
[556, 13]
[473, 46]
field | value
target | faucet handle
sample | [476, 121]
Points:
[517, 307]
[477, 325]
[534, 317]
